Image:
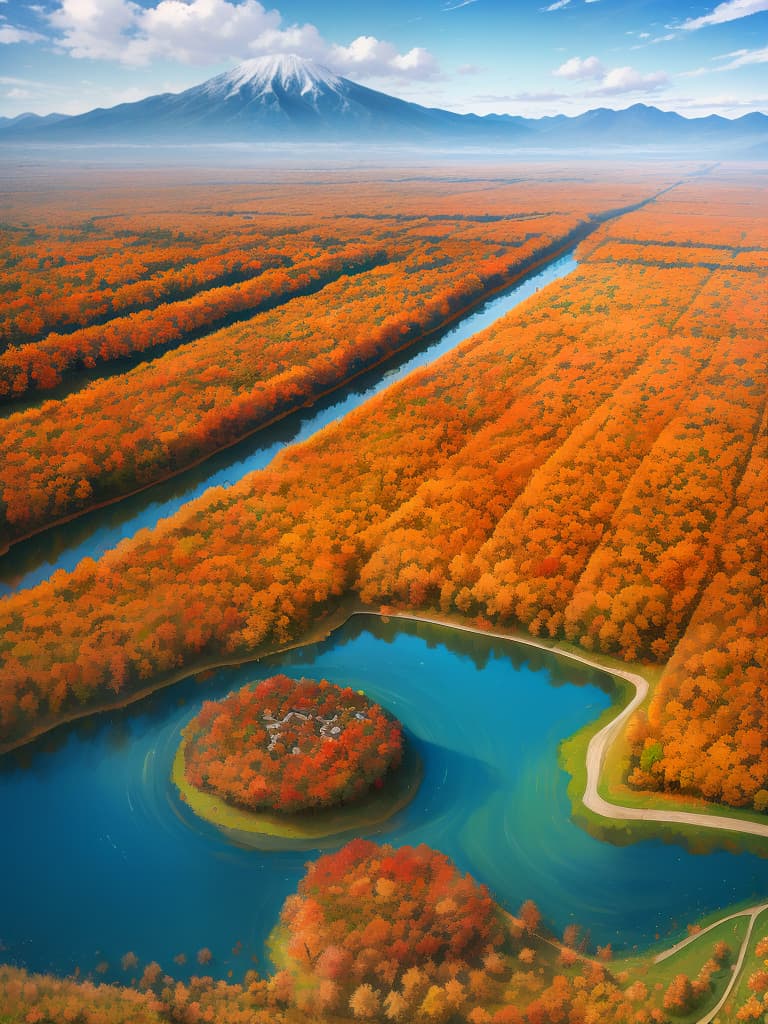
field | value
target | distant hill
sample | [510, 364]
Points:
[29, 120]
[291, 99]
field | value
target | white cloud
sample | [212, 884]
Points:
[556, 6]
[9, 34]
[731, 10]
[649, 42]
[628, 79]
[18, 94]
[518, 97]
[8, 80]
[537, 97]
[575, 67]
[741, 59]
[458, 3]
[611, 81]
[372, 57]
[210, 31]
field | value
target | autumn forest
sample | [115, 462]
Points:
[587, 473]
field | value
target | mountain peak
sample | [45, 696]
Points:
[285, 71]
[288, 98]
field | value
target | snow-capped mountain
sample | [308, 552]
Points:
[292, 99]
[268, 98]
[282, 73]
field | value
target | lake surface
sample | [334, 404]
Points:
[101, 857]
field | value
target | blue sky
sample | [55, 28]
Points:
[511, 56]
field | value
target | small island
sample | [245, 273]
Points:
[288, 761]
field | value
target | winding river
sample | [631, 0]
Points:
[100, 857]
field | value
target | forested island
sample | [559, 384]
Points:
[293, 749]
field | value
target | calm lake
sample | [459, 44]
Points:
[100, 856]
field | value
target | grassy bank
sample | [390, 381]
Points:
[272, 830]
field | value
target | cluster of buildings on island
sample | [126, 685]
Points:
[329, 727]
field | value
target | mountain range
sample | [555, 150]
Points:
[291, 99]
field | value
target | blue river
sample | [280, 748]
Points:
[91, 535]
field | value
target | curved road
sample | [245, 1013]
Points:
[600, 742]
[754, 913]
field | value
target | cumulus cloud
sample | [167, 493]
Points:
[610, 81]
[731, 10]
[628, 79]
[209, 31]
[575, 67]
[375, 58]
[10, 34]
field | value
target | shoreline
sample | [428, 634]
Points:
[271, 830]
[597, 747]
[601, 741]
[322, 630]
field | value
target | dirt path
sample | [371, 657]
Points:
[601, 741]
[754, 913]
[715, 924]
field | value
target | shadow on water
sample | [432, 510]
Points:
[699, 842]
[479, 648]
[445, 778]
